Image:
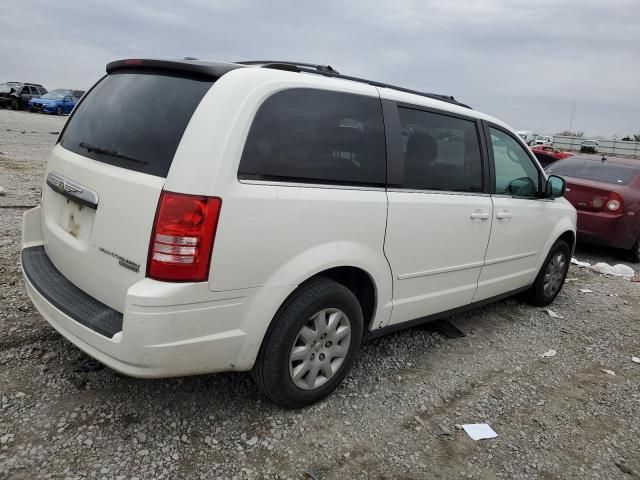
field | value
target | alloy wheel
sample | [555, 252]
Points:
[320, 348]
[554, 274]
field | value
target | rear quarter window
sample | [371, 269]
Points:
[135, 119]
[317, 136]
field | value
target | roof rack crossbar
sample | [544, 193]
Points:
[328, 71]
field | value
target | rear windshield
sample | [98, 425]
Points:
[595, 170]
[135, 119]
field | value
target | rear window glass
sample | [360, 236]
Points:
[135, 119]
[595, 170]
[316, 136]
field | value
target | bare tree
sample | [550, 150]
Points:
[569, 133]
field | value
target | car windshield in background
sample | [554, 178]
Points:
[597, 170]
[53, 96]
[135, 119]
[6, 88]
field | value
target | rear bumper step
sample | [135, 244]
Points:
[66, 297]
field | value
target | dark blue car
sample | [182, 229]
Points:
[59, 102]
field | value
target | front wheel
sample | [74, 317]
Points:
[551, 277]
[311, 345]
[59, 111]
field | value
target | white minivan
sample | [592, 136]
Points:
[270, 217]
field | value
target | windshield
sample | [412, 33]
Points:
[53, 96]
[135, 119]
[588, 142]
[6, 87]
[599, 171]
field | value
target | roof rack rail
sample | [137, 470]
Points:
[328, 71]
[291, 66]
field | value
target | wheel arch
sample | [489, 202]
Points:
[371, 293]
[563, 231]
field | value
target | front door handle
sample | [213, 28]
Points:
[504, 215]
[479, 215]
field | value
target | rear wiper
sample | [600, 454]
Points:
[111, 153]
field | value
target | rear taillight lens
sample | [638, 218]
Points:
[597, 203]
[182, 237]
[615, 203]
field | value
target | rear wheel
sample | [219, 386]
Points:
[311, 345]
[634, 253]
[15, 104]
[551, 277]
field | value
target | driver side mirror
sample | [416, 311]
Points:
[556, 186]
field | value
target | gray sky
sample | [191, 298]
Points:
[524, 62]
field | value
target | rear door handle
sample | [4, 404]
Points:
[479, 216]
[505, 215]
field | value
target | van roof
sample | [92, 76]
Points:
[217, 69]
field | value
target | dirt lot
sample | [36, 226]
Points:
[397, 416]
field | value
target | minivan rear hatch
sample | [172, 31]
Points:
[105, 176]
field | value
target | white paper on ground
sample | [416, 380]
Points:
[479, 431]
[579, 263]
[550, 353]
[586, 290]
[553, 314]
[635, 359]
[609, 372]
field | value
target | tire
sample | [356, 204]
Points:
[15, 104]
[315, 303]
[634, 253]
[59, 111]
[552, 275]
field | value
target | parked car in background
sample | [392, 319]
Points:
[546, 154]
[606, 194]
[589, 146]
[269, 218]
[16, 95]
[58, 101]
[552, 151]
[543, 140]
[527, 135]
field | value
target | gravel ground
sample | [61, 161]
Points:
[397, 416]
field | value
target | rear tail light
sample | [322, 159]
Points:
[182, 237]
[615, 203]
[597, 203]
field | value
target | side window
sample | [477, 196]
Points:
[515, 172]
[32, 91]
[440, 152]
[316, 136]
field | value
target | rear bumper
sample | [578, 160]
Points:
[166, 330]
[618, 231]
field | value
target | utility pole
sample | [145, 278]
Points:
[573, 111]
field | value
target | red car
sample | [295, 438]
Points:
[552, 152]
[606, 194]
